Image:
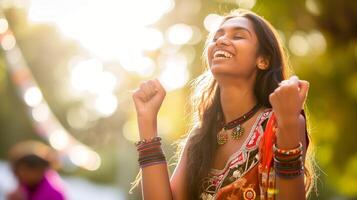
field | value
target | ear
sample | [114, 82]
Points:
[263, 62]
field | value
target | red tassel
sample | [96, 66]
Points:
[267, 143]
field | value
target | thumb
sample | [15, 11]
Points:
[138, 98]
[160, 89]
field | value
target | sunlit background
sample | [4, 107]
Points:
[68, 68]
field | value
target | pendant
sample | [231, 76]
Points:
[237, 132]
[222, 137]
[249, 194]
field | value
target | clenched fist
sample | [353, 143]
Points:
[288, 99]
[148, 99]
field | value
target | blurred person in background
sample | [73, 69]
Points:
[33, 165]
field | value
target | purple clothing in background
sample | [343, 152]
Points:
[50, 188]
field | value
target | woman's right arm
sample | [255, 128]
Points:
[155, 181]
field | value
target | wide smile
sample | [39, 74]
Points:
[222, 55]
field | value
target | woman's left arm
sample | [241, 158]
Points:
[287, 101]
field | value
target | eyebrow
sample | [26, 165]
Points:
[237, 28]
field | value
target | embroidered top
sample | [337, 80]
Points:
[240, 163]
[242, 177]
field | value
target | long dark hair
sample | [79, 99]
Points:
[206, 106]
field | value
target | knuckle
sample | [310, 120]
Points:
[271, 96]
[135, 92]
[293, 87]
[288, 87]
[136, 95]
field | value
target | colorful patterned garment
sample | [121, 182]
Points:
[240, 178]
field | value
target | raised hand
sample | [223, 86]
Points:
[288, 99]
[148, 99]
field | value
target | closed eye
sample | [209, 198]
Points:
[237, 37]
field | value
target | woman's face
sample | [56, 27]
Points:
[233, 50]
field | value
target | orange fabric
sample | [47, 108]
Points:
[251, 184]
[239, 188]
[257, 179]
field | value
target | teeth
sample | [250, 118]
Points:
[221, 53]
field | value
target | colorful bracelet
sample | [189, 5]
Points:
[152, 159]
[150, 152]
[152, 163]
[288, 167]
[287, 152]
[145, 141]
[288, 163]
[292, 162]
[144, 147]
[157, 158]
[287, 158]
[290, 175]
[153, 155]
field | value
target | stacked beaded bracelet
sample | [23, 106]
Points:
[150, 152]
[288, 163]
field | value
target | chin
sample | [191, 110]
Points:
[221, 69]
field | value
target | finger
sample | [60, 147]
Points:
[304, 88]
[146, 90]
[139, 95]
[277, 90]
[150, 88]
[152, 85]
[294, 80]
[158, 85]
[132, 91]
[284, 82]
[272, 98]
[139, 101]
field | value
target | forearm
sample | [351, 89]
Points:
[292, 189]
[289, 137]
[155, 178]
[147, 127]
[155, 183]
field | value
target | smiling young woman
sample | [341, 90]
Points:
[249, 138]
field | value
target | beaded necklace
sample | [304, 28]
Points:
[235, 126]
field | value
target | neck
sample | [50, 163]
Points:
[236, 100]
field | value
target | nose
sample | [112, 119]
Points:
[223, 40]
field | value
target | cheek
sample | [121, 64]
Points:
[209, 50]
[245, 47]
[246, 52]
[210, 53]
